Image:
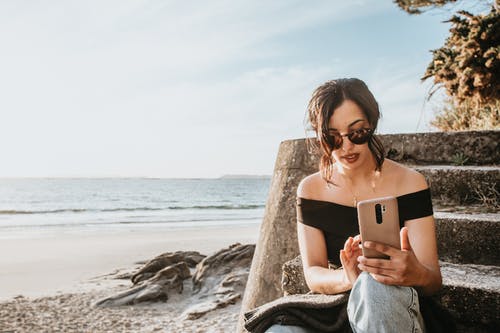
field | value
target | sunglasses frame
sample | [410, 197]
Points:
[332, 139]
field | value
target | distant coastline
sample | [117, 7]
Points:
[7, 178]
[245, 176]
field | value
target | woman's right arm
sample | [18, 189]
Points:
[319, 277]
[313, 251]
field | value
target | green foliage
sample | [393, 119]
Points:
[469, 62]
[467, 116]
[413, 6]
[467, 66]
[459, 159]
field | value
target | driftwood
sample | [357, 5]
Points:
[218, 280]
[154, 289]
[156, 279]
[191, 258]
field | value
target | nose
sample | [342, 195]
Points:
[346, 143]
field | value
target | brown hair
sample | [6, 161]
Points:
[325, 99]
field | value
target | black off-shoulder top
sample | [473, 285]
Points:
[338, 222]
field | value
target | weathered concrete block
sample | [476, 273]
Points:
[470, 292]
[293, 280]
[278, 233]
[479, 147]
[468, 238]
[460, 185]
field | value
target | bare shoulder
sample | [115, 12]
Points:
[409, 180]
[309, 186]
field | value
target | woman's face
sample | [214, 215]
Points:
[346, 118]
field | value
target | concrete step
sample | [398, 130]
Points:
[478, 147]
[472, 294]
[451, 185]
[466, 238]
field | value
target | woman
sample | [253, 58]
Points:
[383, 293]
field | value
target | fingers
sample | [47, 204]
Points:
[377, 270]
[356, 243]
[373, 262]
[348, 243]
[383, 279]
[352, 247]
[383, 248]
[348, 246]
[405, 241]
[343, 259]
[376, 266]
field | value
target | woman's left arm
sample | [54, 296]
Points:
[416, 264]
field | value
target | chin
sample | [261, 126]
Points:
[362, 160]
[351, 166]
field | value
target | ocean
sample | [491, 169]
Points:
[44, 206]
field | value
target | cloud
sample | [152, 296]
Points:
[402, 97]
[167, 88]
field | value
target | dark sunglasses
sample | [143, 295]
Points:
[358, 137]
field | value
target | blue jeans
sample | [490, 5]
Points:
[375, 307]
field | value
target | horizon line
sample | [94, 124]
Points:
[135, 177]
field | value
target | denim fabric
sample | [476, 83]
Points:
[376, 307]
[287, 329]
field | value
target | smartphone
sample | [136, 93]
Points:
[379, 221]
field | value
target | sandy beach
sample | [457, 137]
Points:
[49, 283]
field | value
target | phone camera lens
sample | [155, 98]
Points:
[378, 213]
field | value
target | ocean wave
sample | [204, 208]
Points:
[20, 212]
[219, 207]
[124, 222]
[126, 209]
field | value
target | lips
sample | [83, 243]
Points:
[351, 158]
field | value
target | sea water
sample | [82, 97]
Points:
[76, 205]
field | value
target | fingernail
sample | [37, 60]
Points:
[368, 244]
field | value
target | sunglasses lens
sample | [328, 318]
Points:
[357, 137]
[335, 140]
[360, 136]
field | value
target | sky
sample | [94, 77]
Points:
[193, 89]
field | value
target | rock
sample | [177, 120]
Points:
[212, 270]
[293, 280]
[201, 309]
[220, 280]
[278, 233]
[154, 289]
[191, 258]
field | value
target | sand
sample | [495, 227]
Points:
[49, 283]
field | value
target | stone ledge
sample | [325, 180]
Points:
[478, 147]
[470, 292]
[464, 185]
[468, 238]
